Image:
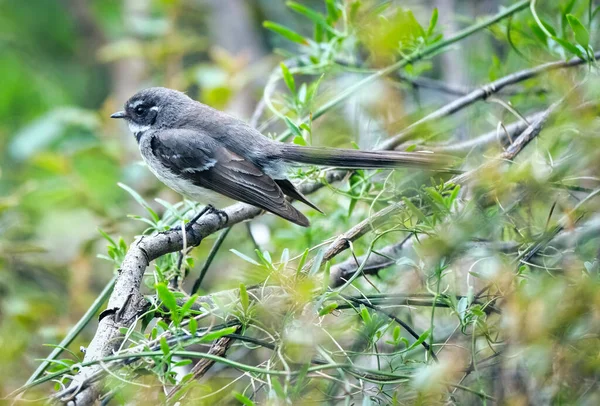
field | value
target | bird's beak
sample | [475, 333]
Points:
[119, 114]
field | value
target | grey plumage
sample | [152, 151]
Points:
[197, 151]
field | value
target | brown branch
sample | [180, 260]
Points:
[481, 94]
[342, 242]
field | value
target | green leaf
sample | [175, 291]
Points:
[365, 315]
[569, 47]
[215, 335]
[328, 309]
[185, 309]
[285, 257]
[285, 32]
[582, 36]
[277, 387]
[140, 200]
[313, 88]
[396, 334]
[299, 140]
[420, 341]
[332, 12]
[302, 260]
[288, 78]
[317, 262]
[167, 297]
[164, 347]
[107, 237]
[454, 193]
[415, 210]
[436, 196]
[293, 127]
[193, 326]
[244, 299]
[243, 399]
[319, 37]
[182, 363]
[312, 15]
[432, 22]
[326, 276]
[244, 257]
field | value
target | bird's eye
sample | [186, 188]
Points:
[139, 110]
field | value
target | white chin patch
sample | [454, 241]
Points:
[136, 128]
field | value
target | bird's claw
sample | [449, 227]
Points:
[223, 217]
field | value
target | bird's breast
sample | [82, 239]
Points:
[179, 183]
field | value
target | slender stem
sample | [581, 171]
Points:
[211, 256]
[75, 330]
[412, 332]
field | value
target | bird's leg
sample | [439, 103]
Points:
[222, 215]
[208, 209]
[205, 209]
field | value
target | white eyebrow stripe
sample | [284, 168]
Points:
[136, 103]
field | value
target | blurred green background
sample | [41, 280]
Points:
[66, 65]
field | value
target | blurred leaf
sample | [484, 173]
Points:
[582, 36]
[141, 201]
[432, 22]
[215, 335]
[244, 299]
[569, 47]
[317, 262]
[285, 32]
[328, 309]
[288, 78]
[193, 326]
[167, 297]
[316, 17]
[48, 129]
[244, 257]
[164, 347]
[243, 399]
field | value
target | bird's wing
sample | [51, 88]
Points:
[208, 164]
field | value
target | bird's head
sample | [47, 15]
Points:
[155, 107]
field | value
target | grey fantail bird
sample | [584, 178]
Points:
[197, 151]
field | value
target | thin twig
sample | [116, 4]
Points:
[211, 256]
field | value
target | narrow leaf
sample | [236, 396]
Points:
[244, 257]
[328, 309]
[243, 399]
[215, 335]
[317, 262]
[164, 347]
[285, 32]
[244, 299]
[432, 22]
[193, 326]
[166, 296]
[288, 78]
[140, 200]
[582, 36]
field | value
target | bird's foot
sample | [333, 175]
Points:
[223, 217]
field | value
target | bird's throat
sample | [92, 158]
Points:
[138, 130]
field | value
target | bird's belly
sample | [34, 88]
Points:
[183, 186]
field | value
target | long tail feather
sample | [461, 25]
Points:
[355, 159]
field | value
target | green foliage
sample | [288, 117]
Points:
[427, 304]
